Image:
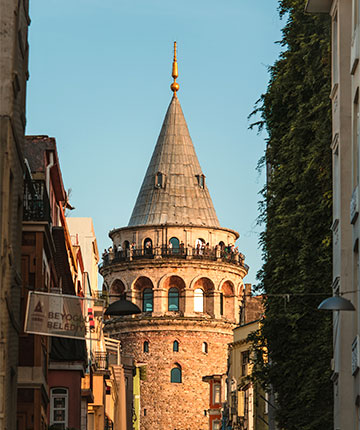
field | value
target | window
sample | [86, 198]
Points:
[59, 407]
[175, 374]
[221, 304]
[205, 348]
[176, 346]
[216, 425]
[335, 53]
[159, 180]
[173, 299]
[146, 346]
[355, 139]
[201, 180]
[147, 300]
[148, 245]
[217, 393]
[244, 363]
[174, 243]
[199, 300]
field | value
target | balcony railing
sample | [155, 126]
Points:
[36, 201]
[209, 254]
[100, 360]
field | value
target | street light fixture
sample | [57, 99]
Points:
[122, 307]
[336, 303]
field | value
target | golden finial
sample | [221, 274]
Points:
[175, 86]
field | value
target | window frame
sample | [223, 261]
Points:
[147, 300]
[216, 393]
[174, 296]
[177, 376]
[197, 298]
[65, 396]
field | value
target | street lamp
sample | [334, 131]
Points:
[122, 307]
[336, 303]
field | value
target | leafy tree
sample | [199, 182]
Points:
[296, 211]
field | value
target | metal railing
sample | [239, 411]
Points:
[209, 254]
[100, 360]
[36, 201]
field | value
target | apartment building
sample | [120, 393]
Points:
[344, 94]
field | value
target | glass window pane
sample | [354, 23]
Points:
[148, 300]
[199, 300]
[175, 375]
[59, 415]
[173, 299]
[59, 403]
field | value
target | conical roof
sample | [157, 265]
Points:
[174, 190]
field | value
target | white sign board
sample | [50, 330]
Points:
[63, 315]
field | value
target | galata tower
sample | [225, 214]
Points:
[181, 268]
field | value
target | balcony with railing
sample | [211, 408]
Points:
[100, 360]
[36, 201]
[206, 254]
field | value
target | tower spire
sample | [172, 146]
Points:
[175, 86]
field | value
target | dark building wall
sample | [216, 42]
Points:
[14, 21]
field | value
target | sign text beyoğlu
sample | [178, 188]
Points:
[62, 315]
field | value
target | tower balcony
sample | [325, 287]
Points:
[215, 254]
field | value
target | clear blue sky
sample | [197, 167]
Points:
[100, 75]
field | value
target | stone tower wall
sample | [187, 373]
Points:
[180, 406]
[167, 405]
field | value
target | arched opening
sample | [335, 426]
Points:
[173, 299]
[148, 300]
[227, 301]
[198, 300]
[175, 374]
[176, 293]
[205, 347]
[222, 245]
[174, 245]
[176, 346]
[148, 246]
[146, 346]
[117, 289]
[207, 286]
[143, 285]
[126, 244]
[199, 246]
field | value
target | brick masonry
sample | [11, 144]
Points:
[180, 406]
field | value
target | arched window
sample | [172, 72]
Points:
[199, 300]
[173, 299]
[175, 243]
[146, 346]
[148, 244]
[176, 346]
[147, 300]
[205, 348]
[59, 407]
[175, 374]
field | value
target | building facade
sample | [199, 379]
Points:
[14, 22]
[344, 94]
[178, 264]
